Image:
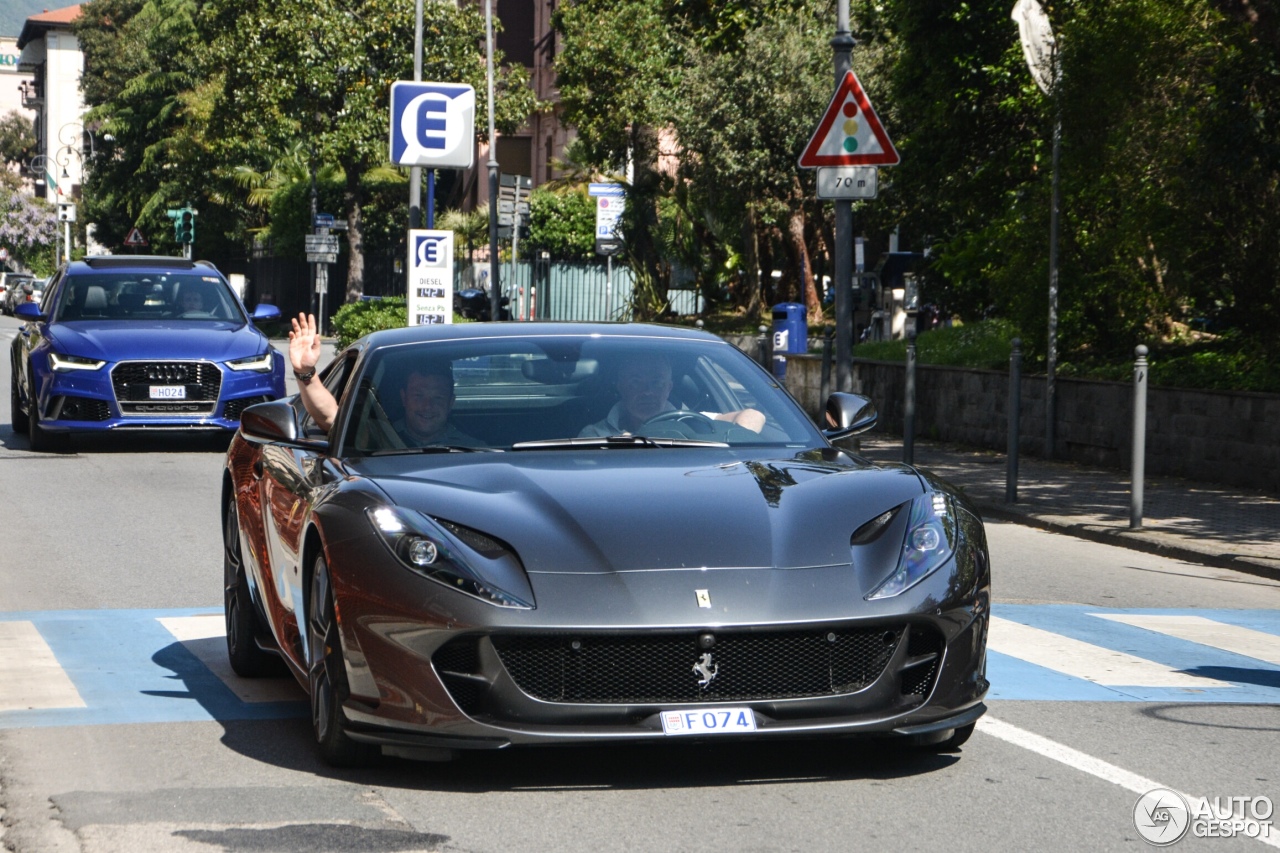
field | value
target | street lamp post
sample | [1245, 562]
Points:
[39, 165]
[72, 135]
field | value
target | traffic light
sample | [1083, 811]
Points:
[187, 226]
[184, 224]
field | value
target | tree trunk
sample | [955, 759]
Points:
[642, 217]
[353, 198]
[751, 260]
[800, 251]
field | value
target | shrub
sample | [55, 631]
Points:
[357, 319]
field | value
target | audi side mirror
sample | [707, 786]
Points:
[28, 311]
[265, 311]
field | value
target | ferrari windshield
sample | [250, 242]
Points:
[542, 393]
[159, 294]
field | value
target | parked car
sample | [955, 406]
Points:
[542, 574]
[139, 343]
[17, 289]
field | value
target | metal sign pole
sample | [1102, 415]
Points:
[842, 49]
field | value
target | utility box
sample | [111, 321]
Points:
[790, 334]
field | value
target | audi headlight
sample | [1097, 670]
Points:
[422, 545]
[929, 543]
[67, 363]
[257, 363]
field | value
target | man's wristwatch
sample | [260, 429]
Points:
[304, 376]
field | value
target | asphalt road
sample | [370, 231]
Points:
[1113, 672]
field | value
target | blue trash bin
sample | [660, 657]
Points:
[790, 334]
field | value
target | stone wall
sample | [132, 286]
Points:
[1215, 436]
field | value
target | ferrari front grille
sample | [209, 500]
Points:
[656, 668]
[924, 651]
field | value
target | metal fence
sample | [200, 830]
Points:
[538, 288]
[546, 289]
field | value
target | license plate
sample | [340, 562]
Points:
[168, 392]
[708, 722]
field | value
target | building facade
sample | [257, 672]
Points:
[11, 80]
[50, 54]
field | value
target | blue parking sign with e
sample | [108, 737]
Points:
[429, 251]
[433, 125]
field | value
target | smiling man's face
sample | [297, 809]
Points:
[643, 387]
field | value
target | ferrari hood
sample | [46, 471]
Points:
[652, 510]
[114, 340]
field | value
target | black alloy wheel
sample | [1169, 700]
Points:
[247, 659]
[327, 676]
[17, 416]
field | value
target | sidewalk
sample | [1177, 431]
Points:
[1198, 522]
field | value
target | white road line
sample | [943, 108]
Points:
[1207, 632]
[29, 672]
[1093, 766]
[205, 637]
[1085, 660]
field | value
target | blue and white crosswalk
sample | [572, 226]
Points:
[1075, 652]
[70, 668]
[129, 666]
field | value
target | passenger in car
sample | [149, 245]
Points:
[427, 395]
[190, 300]
[644, 385]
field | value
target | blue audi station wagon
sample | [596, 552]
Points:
[139, 343]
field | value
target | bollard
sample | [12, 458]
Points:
[824, 390]
[765, 349]
[909, 404]
[1015, 405]
[1139, 435]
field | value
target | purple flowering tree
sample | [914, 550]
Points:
[28, 228]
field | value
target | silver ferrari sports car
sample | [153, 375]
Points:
[560, 533]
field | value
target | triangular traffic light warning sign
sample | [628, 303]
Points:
[850, 133]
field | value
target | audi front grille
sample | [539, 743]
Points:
[133, 381]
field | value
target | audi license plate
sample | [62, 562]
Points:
[708, 722]
[168, 392]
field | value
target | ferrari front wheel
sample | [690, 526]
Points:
[247, 659]
[327, 676]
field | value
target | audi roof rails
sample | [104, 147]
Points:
[150, 261]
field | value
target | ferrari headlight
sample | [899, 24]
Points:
[67, 363]
[423, 546]
[257, 363]
[930, 542]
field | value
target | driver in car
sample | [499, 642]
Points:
[643, 386]
[190, 301]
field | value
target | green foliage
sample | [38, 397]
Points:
[984, 345]
[562, 222]
[17, 138]
[1228, 363]
[357, 319]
